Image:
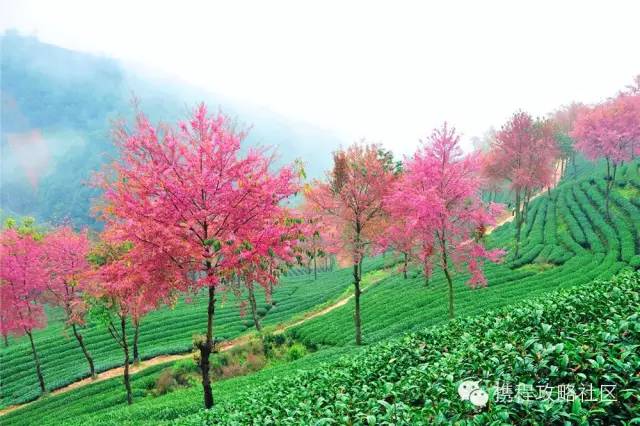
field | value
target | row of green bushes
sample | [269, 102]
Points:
[586, 337]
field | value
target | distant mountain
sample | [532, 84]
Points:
[57, 106]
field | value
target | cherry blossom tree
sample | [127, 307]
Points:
[123, 286]
[610, 130]
[351, 202]
[273, 248]
[440, 195]
[524, 154]
[23, 279]
[399, 235]
[189, 196]
[313, 244]
[65, 260]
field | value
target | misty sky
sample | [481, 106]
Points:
[385, 71]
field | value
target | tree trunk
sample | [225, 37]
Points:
[254, 309]
[36, 360]
[608, 188]
[136, 335]
[6, 340]
[86, 353]
[445, 267]
[525, 205]
[315, 265]
[404, 266]
[125, 348]
[206, 348]
[425, 271]
[356, 315]
[518, 223]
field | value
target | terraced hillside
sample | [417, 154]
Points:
[567, 241]
[166, 331]
[594, 329]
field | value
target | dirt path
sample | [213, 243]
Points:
[143, 365]
[114, 372]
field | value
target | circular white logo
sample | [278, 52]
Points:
[466, 387]
[469, 390]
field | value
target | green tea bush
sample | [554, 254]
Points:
[296, 351]
[587, 337]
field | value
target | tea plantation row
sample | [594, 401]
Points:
[587, 337]
[567, 240]
[165, 331]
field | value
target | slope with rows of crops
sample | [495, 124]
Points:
[167, 331]
[567, 243]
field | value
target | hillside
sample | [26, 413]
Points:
[568, 243]
[414, 379]
[57, 109]
[166, 331]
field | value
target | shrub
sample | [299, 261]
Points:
[296, 351]
[185, 367]
[165, 383]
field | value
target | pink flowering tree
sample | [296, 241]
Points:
[189, 196]
[124, 287]
[351, 203]
[313, 244]
[400, 233]
[523, 153]
[65, 260]
[23, 279]
[271, 250]
[440, 196]
[611, 131]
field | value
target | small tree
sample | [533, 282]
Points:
[440, 196]
[401, 233]
[22, 281]
[610, 130]
[564, 120]
[351, 202]
[313, 243]
[123, 288]
[275, 246]
[66, 254]
[524, 154]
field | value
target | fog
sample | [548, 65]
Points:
[388, 72]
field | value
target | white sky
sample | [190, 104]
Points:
[387, 71]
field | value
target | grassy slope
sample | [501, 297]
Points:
[567, 242]
[163, 332]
